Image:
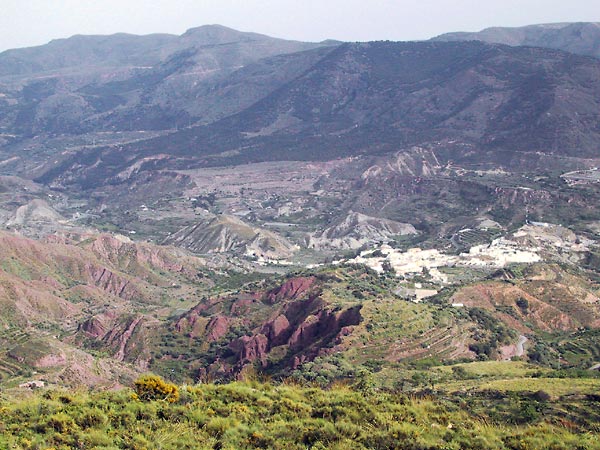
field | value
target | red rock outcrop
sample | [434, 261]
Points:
[326, 324]
[300, 320]
[118, 337]
[277, 330]
[253, 349]
[194, 321]
[217, 328]
[293, 289]
[318, 329]
[112, 283]
[93, 327]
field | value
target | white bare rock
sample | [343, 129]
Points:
[35, 211]
[358, 229]
[223, 233]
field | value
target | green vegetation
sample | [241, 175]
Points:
[234, 280]
[496, 333]
[581, 349]
[244, 415]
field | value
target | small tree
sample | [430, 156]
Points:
[523, 304]
[388, 268]
[153, 387]
[364, 381]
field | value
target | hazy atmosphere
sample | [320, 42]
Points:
[35, 22]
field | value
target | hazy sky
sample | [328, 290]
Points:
[33, 22]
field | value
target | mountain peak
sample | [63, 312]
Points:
[219, 34]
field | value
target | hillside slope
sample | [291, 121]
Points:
[50, 290]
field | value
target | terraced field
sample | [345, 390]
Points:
[580, 349]
[9, 339]
[466, 238]
[13, 336]
[9, 368]
[399, 330]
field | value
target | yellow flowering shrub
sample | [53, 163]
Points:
[153, 387]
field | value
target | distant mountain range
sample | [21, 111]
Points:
[222, 96]
[582, 38]
[131, 128]
[375, 98]
[125, 82]
[83, 52]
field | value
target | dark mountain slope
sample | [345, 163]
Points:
[581, 38]
[505, 102]
[176, 93]
[376, 96]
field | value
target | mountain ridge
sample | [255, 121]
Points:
[582, 38]
[147, 49]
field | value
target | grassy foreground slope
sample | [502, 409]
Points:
[253, 414]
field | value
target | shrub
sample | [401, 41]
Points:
[61, 423]
[541, 396]
[218, 426]
[92, 418]
[153, 387]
